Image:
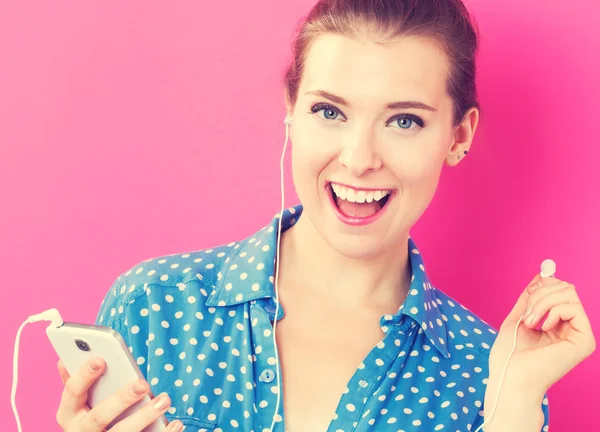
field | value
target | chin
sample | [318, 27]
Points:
[365, 242]
[355, 247]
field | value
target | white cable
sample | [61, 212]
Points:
[278, 370]
[15, 376]
[54, 317]
[548, 269]
[502, 376]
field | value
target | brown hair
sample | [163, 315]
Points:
[445, 21]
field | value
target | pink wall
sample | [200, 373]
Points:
[135, 129]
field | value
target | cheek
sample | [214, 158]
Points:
[420, 161]
[416, 170]
[305, 169]
[309, 156]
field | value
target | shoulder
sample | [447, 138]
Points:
[170, 278]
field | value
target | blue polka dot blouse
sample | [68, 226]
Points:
[199, 325]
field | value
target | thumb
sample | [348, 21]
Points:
[519, 307]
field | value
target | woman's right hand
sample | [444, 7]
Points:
[74, 415]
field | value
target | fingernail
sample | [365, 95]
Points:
[95, 365]
[177, 426]
[162, 402]
[140, 388]
[530, 319]
[527, 313]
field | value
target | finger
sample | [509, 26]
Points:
[575, 315]
[520, 306]
[99, 417]
[144, 416]
[536, 279]
[64, 375]
[176, 426]
[541, 291]
[545, 303]
[553, 318]
[74, 396]
[541, 282]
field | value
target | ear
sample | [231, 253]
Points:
[463, 137]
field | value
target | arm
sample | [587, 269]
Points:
[518, 410]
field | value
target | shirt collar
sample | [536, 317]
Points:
[249, 275]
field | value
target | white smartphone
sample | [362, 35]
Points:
[75, 344]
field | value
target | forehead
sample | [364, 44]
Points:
[409, 68]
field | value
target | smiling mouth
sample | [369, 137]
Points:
[354, 205]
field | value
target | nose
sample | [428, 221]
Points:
[359, 154]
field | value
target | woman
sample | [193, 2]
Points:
[381, 95]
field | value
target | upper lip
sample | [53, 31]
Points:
[359, 188]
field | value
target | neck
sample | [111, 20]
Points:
[381, 280]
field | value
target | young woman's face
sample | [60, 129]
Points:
[348, 145]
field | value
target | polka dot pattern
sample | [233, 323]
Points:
[199, 325]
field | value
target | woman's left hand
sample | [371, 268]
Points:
[544, 356]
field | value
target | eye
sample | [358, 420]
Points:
[329, 111]
[405, 121]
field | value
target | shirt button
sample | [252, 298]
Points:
[270, 308]
[267, 375]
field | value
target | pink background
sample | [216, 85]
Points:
[135, 129]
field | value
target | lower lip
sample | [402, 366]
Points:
[353, 220]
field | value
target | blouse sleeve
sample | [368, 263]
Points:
[124, 309]
[545, 409]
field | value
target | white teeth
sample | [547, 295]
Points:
[350, 195]
[353, 195]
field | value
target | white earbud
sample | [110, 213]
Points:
[288, 120]
[548, 268]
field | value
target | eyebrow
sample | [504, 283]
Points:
[392, 105]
